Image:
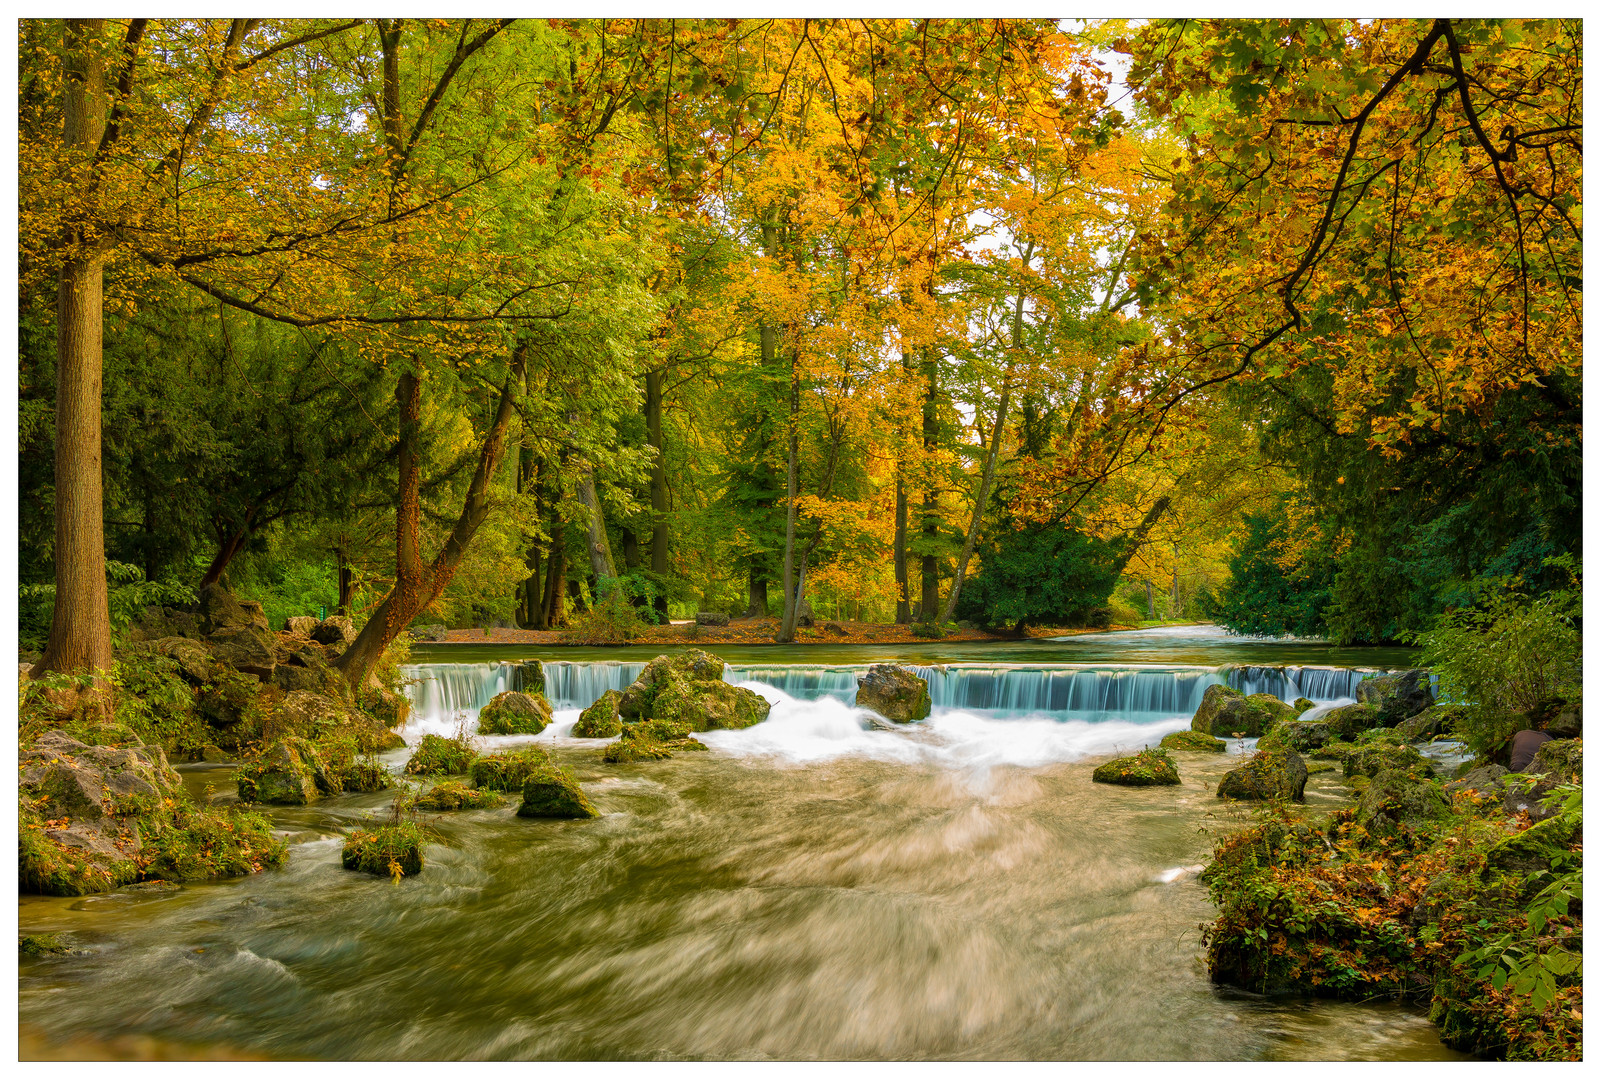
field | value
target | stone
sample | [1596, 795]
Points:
[300, 626]
[532, 674]
[256, 613]
[895, 692]
[193, 661]
[515, 713]
[1370, 759]
[1146, 768]
[804, 616]
[220, 610]
[1396, 696]
[1302, 704]
[247, 648]
[1198, 741]
[553, 792]
[386, 707]
[710, 705]
[1397, 800]
[1486, 779]
[651, 740]
[1535, 848]
[384, 850]
[438, 756]
[1225, 712]
[1568, 723]
[310, 714]
[711, 618]
[1269, 774]
[1559, 761]
[286, 774]
[455, 795]
[334, 630]
[507, 772]
[601, 719]
[1431, 722]
[1302, 736]
[434, 632]
[836, 629]
[1349, 721]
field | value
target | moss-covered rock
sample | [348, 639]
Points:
[438, 756]
[553, 792]
[1196, 741]
[205, 843]
[532, 674]
[692, 665]
[508, 772]
[1302, 704]
[1302, 736]
[1349, 721]
[455, 795]
[1399, 800]
[709, 705]
[1559, 761]
[350, 762]
[515, 713]
[313, 715]
[1269, 774]
[42, 945]
[1372, 758]
[288, 773]
[895, 692]
[249, 649]
[1224, 711]
[651, 740]
[1144, 769]
[601, 720]
[387, 708]
[1395, 697]
[387, 850]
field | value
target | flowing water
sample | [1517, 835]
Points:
[813, 887]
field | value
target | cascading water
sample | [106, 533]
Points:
[444, 694]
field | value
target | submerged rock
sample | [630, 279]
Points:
[1224, 711]
[455, 795]
[515, 713]
[1198, 741]
[601, 720]
[1269, 774]
[1397, 696]
[388, 850]
[895, 692]
[508, 772]
[651, 740]
[553, 792]
[1146, 768]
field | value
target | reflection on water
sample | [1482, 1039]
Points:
[935, 901]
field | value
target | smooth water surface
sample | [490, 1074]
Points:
[811, 887]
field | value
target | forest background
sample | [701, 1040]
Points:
[538, 322]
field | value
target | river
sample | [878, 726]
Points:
[812, 888]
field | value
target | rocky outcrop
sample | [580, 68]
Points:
[1370, 759]
[300, 626]
[191, 657]
[249, 648]
[515, 713]
[1270, 774]
[288, 773]
[553, 792]
[688, 689]
[601, 720]
[895, 692]
[1196, 741]
[312, 715]
[80, 807]
[1225, 712]
[1560, 761]
[1349, 721]
[1434, 721]
[220, 610]
[1145, 769]
[334, 630]
[1397, 696]
[455, 795]
[507, 772]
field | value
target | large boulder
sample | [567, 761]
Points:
[1370, 759]
[334, 630]
[1145, 769]
[1396, 696]
[1568, 723]
[300, 626]
[508, 772]
[256, 613]
[1302, 736]
[711, 618]
[553, 792]
[688, 689]
[305, 668]
[80, 808]
[1269, 774]
[191, 657]
[220, 610]
[248, 648]
[288, 773]
[1349, 721]
[600, 720]
[1560, 761]
[1224, 712]
[1429, 724]
[895, 692]
[515, 713]
[311, 715]
[1397, 800]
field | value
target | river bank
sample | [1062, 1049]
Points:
[753, 631]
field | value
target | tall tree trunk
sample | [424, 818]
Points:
[229, 545]
[930, 561]
[758, 594]
[600, 560]
[530, 476]
[786, 627]
[418, 584]
[903, 591]
[80, 628]
[1150, 600]
[347, 579]
[555, 575]
[576, 595]
[1137, 537]
[630, 547]
[660, 536]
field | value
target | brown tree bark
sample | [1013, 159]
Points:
[80, 628]
[555, 576]
[786, 626]
[418, 584]
[660, 534]
[930, 562]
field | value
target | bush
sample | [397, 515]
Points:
[1042, 575]
[128, 597]
[1506, 656]
[930, 629]
[615, 615]
[152, 698]
[437, 755]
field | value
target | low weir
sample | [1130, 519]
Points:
[1138, 693]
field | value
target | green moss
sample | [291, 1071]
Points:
[41, 945]
[1269, 774]
[1397, 800]
[152, 698]
[230, 704]
[438, 756]
[455, 795]
[1195, 741]
[54, 869]
[350, 765]
[515, 713]
[389, 850]
[601, 719]
[1146, 768]
[205, 843]
[509, 771]
[285, 774]
[1375, 756]
[553, 792]
[651, 740]
[1226, 712]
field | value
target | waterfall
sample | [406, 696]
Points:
[444, 693]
